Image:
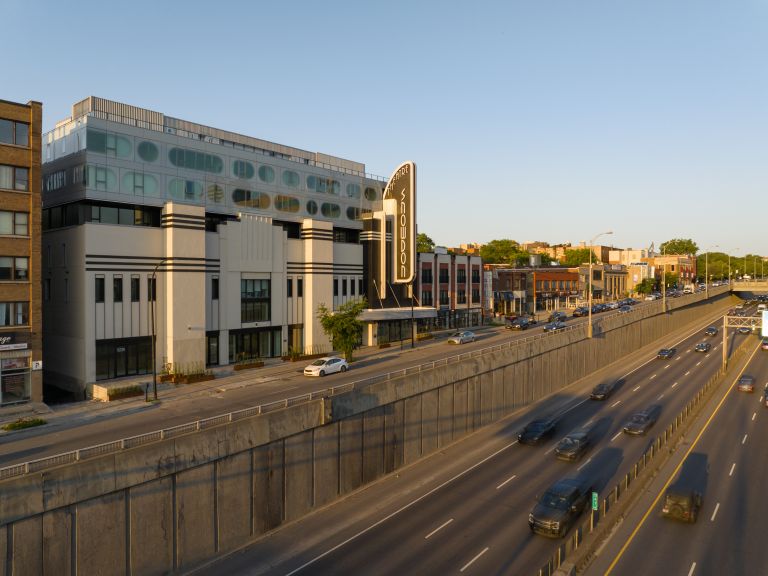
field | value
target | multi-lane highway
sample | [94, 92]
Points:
[466, 508]
[727, 465]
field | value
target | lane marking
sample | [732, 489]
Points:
[468, 564]
[652, 377]
[673, 385]
[753, 416]
[744, 440]
[706, 355]
[636, 389]
[715, 512]
[699, 362]
[585, 463]
[686, 374]
[660, 396]
[619, 433]
[507, 481]
[693, 567]
[443, 525]
[665, 367]
[615, 403]
[733, 466]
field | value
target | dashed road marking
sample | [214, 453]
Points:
[468, 564]
[652, 377]
[717, 507]
[615, 403]
[744, 440]
[636, 388]
[443, 525]
[617, 435]
[686, 374]
[508, 480]
[693, 567]
[660, 396]
[733, 466]
[673, 385]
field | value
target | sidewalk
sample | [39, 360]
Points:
[226, 379]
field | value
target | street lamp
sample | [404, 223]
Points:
[153, 297]
[706, 270]
[589, 313]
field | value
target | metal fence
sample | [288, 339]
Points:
[624, 487]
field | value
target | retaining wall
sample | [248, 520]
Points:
[170, 505]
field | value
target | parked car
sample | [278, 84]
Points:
[602, 391]
[557, 316]
[462, 337]
[702, 347]
[559, 507]
[666, 353]
[327, 365]
[575, 444]
[580, 311]
[681, 503]
[554, 326]
[537, 430]
[745, 383]
[641, 422]
[625, 308]
[711, 331]
[611, 305]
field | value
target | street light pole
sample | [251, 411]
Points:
[706, 270]
[664, 279]
[589, 297]
[153, 297]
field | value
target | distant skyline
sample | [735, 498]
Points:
[527, 120]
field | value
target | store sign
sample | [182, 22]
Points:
[13, 341]
[402, 188]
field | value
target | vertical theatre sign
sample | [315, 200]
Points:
[401, 191]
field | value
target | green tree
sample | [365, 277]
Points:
[671, 279]
[646, 286]
[503, 252]
[578, 256]
[343, 326]
[679, 246]
[424, 243]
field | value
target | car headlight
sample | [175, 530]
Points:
[530, 518]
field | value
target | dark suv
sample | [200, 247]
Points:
[519, 324]
[557, 316]
[681, 504]
[559, 507]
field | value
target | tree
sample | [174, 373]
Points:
[679, 246]
[578, 256]
[671, 279]
[343, 326]
[424, 243]
[646, 286]
[503, 252]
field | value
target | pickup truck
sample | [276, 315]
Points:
[559, 507]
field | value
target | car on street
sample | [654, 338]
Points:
[612, 305]
[764, 344]
[745, 383]
[642, 421]
[602, 391]
[519, 324]
[537, 430]
[702, 347]
[557, 316]
[462, 337]
[765, 396]
[575, 444]
[580, 311]
[681, 503]
[711, 331]
[743, 330]
[324, 366]
[559, 507]
[624, 308]
[666, 353]
[554, 326]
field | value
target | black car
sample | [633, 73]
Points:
[743, 330]
[580, 311]
[559, 507]
[625, 308]
[575, 444]
[519, 324]
[765, 397]
[666, 353]
[703, 347]
[554, 326]
[602, 391]
[557, 316]
[641, 422]
[537, 430]
[711, 331]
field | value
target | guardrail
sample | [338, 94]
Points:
[629, 480]
[198, 425]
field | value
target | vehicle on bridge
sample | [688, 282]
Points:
[554, 326]
[681, 503]
[575, 444]
[666, 353]
[702, 347]
[559, 507]
[746, 383]
[462, 337]
[711, 331]
[537, 430]
[641, 422]
[327, 365]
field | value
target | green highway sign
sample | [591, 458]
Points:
[594, 500]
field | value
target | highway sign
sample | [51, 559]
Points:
[594, 500]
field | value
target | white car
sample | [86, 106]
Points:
[327, 365]
[462, 337]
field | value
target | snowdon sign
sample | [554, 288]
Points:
[402, 190]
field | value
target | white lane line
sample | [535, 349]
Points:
[717, 507]
[667, 366]
[680, 357]
[753, 416]
[733, 466]
[693, 567]
[660, 396]
[617, 435]
[652, 377]
[468, 564]
[687, 351]
[744, 440]
[399, 510]
[443, 525]
[699, 362]
[615, 403]
[550, 450]
[686, 374]
[636, 389]
[706, 355]
[585, 463]
[673, 385]
[507, 481]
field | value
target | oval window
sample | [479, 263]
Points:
[311, 207]
[291, 178]
[286, 203]
[148, 151]
[242, 169]
[330, 210]
[353, 190]
[370, 194]
[353, 213]
[250, 199]
[266, 174]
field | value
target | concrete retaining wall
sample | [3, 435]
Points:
[171, 505]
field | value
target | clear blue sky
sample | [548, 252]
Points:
[531, 120]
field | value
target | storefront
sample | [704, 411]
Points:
[250, 343]
[120, 357]
[15, 368]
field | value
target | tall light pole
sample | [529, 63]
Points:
[589, 314]
[706, 270]
[153, 297]
[729, 264]
[664, 279]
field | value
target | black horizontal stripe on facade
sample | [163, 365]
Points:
[316, 237]
[182, 219]
[126, 271]
[180, 227]
[180, 215]
[144, 266]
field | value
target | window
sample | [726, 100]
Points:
[443, 297]
[360, 286]
[135, 288]
[139, 183]
[353, 213]
[311, 207]
[99, 289]
[475, 276]
[343, 286]
[250, 199]
[289, 288]
[242, 169]
[6, 267]
[109, 144]
[461, 297]
[335, 286]
[370, 194]
[290, 178]
[266, 174]
[461, 276]
[299, 287]
[14, 268]
[426, 298]
[14, 178]
[255, 301]
[147, 151]
[14, 313]
[475, 295]
[353, 190]
[14, 132]
[100, 178]
[351, 286]
[151, 289]
[214, 288]
[444, 276]
[426, 275]
[330, 210]
[194, 160]
[14, 223]
[286, 203]
[185, 189]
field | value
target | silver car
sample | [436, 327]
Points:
[462, 337]
[327, 365]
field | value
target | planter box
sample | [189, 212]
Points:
[303, 357]
[424, 336]
[165, 378]
[248, 366]
[116, 391]
[193, 379]
[385, 345]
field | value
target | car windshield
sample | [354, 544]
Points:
[457, 335]
[569, 442]
[746, 379]
[318, 363]
[639, 418]
[536, 426]
[554, 500]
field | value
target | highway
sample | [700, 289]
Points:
[728, 466]
[465, 509]
[99, 427]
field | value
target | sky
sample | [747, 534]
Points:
[547, 120]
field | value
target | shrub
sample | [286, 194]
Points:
[22, 423]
